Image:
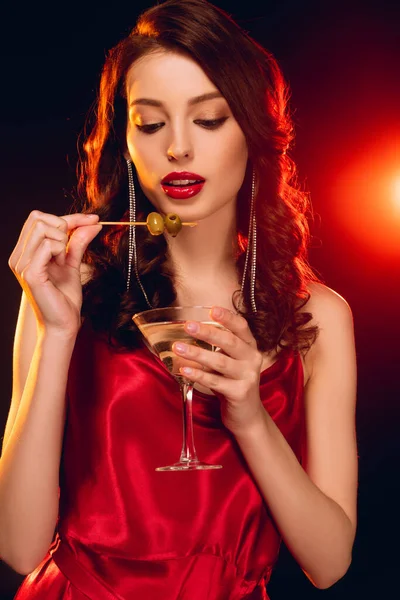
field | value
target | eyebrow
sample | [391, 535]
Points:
[191, 101]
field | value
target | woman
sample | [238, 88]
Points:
[191, 119]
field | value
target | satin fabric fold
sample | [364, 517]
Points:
[139, 533]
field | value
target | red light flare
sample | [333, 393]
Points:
[365, 197]
[396, 193]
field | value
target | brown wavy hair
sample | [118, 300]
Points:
[251, 81]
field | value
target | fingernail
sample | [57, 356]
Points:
[217, 312]
[180, 347]
[186, 370]
[192, 327]
[92, 216]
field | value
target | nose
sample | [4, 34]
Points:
[180, 146]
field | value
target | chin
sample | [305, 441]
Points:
[187, 208]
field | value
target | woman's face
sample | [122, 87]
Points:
[172, 129]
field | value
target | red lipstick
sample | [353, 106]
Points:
[181, 185]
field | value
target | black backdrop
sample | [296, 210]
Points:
[342, 62]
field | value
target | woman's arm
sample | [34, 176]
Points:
[315, 507]
[30, 461]
[48, 265]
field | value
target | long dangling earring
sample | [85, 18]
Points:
[132, 251]
[251, 244]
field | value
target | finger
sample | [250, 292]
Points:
[235, 323]
[34, 216]
[174, 363]
[36, 272]
[78, 242]
[212, 381]
[212, 361]
[65, 224]
[39, 231]
[230, 343]
[79, 220]
[37, 215]
[60, 259]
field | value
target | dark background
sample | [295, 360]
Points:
[342, 62]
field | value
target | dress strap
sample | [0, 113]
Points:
[85, 581]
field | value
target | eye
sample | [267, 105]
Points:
[211, 123]
[152, 128]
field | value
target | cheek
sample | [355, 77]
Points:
[143, 157]
[237, 153]
[231, 160]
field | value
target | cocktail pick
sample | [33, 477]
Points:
[156, 223]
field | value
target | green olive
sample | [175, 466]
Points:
[155, 223]
[173, 224]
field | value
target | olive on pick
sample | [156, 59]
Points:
[173, 224]
[155, 223]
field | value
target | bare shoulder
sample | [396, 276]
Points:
[332, 315]
[327, 307]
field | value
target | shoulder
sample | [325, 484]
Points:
[327, 306]
[332, 315]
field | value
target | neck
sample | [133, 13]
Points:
[205, 255]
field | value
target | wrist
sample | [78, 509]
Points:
[252, 428]
[63, 337]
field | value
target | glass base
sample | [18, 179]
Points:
[189, 465]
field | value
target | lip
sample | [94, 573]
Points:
[182, 192]
[181, 175]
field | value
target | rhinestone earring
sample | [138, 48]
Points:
[251, 245]
[132, 251]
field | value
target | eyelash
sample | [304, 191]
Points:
[207, 124]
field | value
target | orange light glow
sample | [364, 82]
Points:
[396, 196]
[366, 197]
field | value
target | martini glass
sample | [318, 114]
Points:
[160, 328]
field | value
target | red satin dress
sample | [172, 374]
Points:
[127, 532]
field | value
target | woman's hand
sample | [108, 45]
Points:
[237, 367]
[46, 261]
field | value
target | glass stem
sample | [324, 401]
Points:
[188, 453]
